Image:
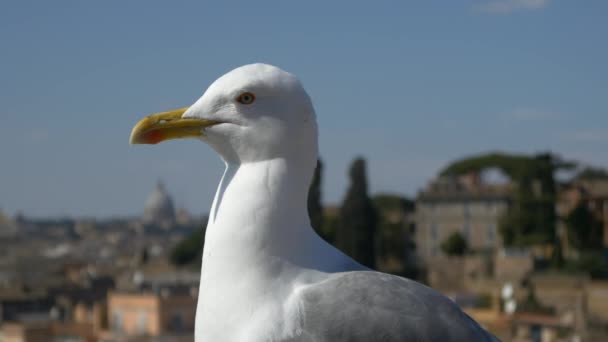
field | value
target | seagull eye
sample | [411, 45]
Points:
[246, 98]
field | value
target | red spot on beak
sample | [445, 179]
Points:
[154, 136]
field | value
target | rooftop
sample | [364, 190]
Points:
[466, 187]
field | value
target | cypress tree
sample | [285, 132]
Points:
[584, 230]
[356, 234]
[315, 208]
[144, 256]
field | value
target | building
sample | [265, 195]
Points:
[596, 301]
[17, 303]
[8, 228]
[45, 331]
[159, 208]
[534, 327]
[152, 313]
[464, 204]
[82, 299]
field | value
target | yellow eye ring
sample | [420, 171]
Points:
[246, 98]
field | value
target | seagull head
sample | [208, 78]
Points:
[253, 113]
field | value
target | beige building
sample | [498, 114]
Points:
[151, 314]
[596, 301]
[459, 204]
[8, 228]
[45, 331]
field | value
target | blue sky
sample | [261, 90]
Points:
[410, 85]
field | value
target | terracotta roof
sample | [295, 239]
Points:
[597, 188]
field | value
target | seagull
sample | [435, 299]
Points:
[266, 275]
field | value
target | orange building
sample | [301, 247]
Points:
[44, 331]
[152, 314]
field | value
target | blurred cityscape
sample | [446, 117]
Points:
[521, 250]
[98, 280]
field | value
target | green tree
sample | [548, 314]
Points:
[190, 249]
[584, 230]
[394, 234]
[592, 173]
[315, 208]
[356, 234]
[331, 225]
[144, 256]
[531, 303]
[592, 262]
[455, 244]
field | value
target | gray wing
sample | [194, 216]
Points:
[373, 306]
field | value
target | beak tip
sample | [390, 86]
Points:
[133, 140]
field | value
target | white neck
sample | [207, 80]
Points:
[259, 243]
[259, 211]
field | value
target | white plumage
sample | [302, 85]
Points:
[266, 275]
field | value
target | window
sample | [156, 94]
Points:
[142, 322]
[466, 231]
[176, 324]
[491, 232]
[117, 320]
[434, 232]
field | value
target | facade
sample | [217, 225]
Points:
[534, 327]
[596, 301]
[459, 204]
[17, 304]
[8, 228]
[82, 301]
[45, 331]
[151, 314]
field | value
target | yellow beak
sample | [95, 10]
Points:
[168, 125]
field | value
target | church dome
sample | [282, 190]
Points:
[159, 207]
